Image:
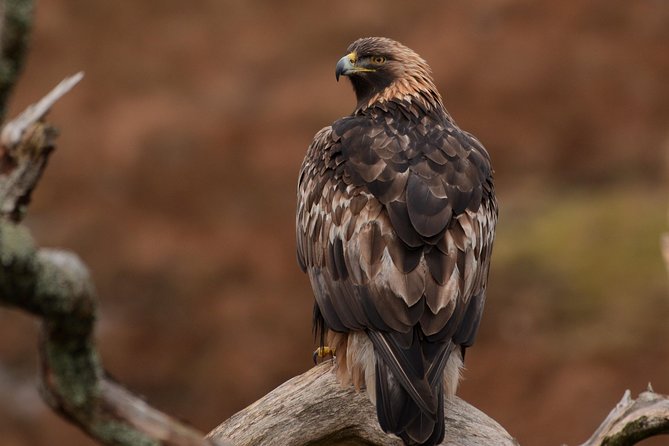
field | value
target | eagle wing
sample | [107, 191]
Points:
[395, 224]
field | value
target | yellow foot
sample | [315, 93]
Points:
[321, 353]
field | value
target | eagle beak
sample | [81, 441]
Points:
[345, 66]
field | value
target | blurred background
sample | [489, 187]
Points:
[175, 181]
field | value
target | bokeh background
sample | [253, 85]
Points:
[175, 181]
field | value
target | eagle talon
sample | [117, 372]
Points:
[322, 352]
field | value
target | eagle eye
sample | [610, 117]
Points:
[378, 60]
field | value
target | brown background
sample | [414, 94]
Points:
[175, 181]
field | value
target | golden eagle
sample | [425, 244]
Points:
[396, 218]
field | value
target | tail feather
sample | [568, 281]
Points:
[409, 387]
[399, 414]
[406, 366]
[394, 405]
[414, 432]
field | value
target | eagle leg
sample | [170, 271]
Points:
[321, 353]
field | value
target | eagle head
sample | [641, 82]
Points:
[381, 69]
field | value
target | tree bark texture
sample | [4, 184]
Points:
[313, 409]
[633, 420]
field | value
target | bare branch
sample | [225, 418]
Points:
[312, 409]
[12, 132]
[632, 421]
[25, 145]
[55, 286]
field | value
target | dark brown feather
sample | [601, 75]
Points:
[428, 214]
[404, 258]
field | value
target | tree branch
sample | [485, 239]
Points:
[25, 145]
[632, 421]
[55, 286]
[312, 409]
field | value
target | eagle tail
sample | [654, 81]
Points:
[409, 386]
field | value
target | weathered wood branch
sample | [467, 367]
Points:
[25, 145]
[55, 286]
[312, 409]
[633, 420]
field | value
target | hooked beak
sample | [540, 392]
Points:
[345, 66]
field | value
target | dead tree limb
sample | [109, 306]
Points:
[632, 421]
[55, 286]
[312, 409]
[25, 145]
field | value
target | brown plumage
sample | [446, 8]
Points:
[395, 225]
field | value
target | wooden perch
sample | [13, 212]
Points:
[312, 409]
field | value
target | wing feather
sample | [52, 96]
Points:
[395, 225]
